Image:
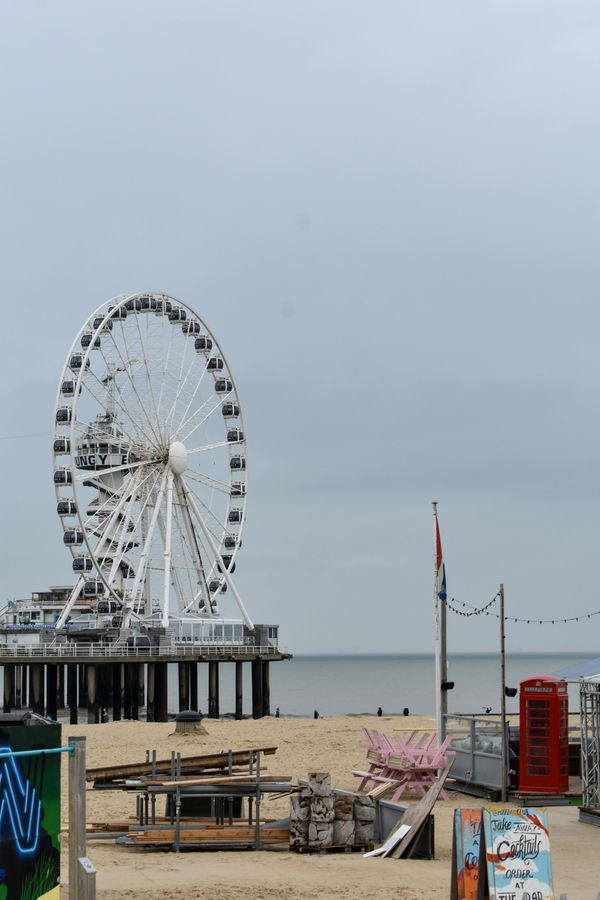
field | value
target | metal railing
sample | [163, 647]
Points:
[110, 651]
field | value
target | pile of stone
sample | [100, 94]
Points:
[321, 817]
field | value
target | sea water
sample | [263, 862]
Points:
[342, 685]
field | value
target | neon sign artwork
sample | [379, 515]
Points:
[20, 806]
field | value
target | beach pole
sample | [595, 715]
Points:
[441, 661]
[503, 699]
[77, 798]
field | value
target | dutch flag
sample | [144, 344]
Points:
[440, 567]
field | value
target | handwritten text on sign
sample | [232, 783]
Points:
[517, 854]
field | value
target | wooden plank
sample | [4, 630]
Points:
[416, 815]
[224, 779]
[212, 836]
[207, 760]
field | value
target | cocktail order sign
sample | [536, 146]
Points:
[515, 861]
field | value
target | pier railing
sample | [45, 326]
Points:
[73, 650]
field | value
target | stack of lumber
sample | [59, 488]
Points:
[238, 833]
[322, 818]
[213, 763]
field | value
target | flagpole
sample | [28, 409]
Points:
[441, 662]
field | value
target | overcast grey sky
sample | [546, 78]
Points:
[388, 213]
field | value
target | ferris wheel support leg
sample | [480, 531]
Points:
[215, 550]
[70, 604]
[167, 553]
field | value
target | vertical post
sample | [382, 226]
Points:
[266, 689]
[76, 813]
[150, 692]
[193, 679]
[257, 702]
[127, 692]
[91, 674]
[161, 692]
[36, 675]
[213, 690]
[9, 674]
[24, 692]
[439, 598]
[60, 686]
[72, 685]
[18, 679]
[117, 680]
[51, 679]
[141, 687]
[86, 879]
[135, 691]
[503, 699]
[184, 686]
[239, 689]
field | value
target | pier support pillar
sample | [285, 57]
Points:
[117, 680]
[257, 686]
[135, 691]
[239, 689]
[83, 697]
[141, 687]
[150, 683]
[193, 680]
[51, 678]
[127, 691]
[266, 688]
[161, 692]
[213, 690]
[36, 675]
[9, 680]
[72, 685]
[60, 686]
[184, 686]
[92, 693]
[24, 686]
[17, 686]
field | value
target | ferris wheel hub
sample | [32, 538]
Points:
[178, 457]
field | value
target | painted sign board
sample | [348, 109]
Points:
[515, 861]
[466, 849]
[29, 814]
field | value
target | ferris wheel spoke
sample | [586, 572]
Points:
[142, 480]
[215, 521]
[125, 467]
[126, 364]
[181, 382]
[111, 496]
[136, 425]
[122, 528]
[148, 375]
[166, 361]
[215, 402]
[215, 446]
[154, 427]
[208, 481]
[195, 550]
[101, 528]
[215, 551]
[139, 576]
[191, 400]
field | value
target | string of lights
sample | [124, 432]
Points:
[474, 611]
[484, 610]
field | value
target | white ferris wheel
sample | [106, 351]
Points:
[149, 463]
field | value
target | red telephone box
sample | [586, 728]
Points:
[544, 735]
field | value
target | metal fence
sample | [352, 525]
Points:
[71, 650]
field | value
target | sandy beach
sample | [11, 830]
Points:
[329, 744]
